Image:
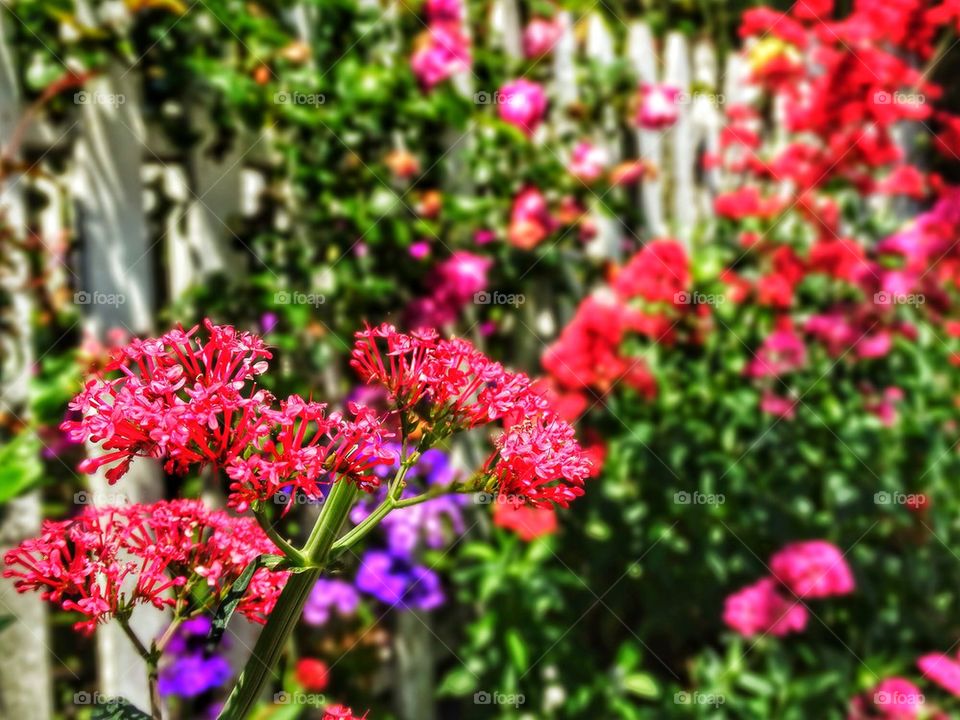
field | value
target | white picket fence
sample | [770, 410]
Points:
[103, 200]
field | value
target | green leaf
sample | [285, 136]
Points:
[20, 466]
[118, 709]
[231, 601]
[517, 649]
[642, 685]
[457, 683]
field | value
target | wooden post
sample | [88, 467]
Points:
[117, 291]
[25, 656]
[641, 52]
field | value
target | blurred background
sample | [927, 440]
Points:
[723, 234]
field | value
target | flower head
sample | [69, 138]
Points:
[523, 104]
[813, 569]
[760, 608]
[108, 560]
[176, 398]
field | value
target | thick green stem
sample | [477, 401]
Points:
[283, 619]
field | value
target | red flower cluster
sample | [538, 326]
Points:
[308, 447]
[341, 712]
[452, 385]
[176, 398]
[167, 554]
[194, 403]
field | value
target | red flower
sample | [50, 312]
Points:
[528, 523]
[108, 560]
[341, 712]
[312, 674]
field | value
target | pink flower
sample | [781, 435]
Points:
[540, 35]
[108, 560]
[761, 609]
[782, 407]
[530, 220]
[175, 398]
[443, 52]
[419, 250]
[813, 569]
[341, 712]
[522, 104]
[897, 699]
[588, 161]
[444, 11]
[782, 351]
[658, 108]
[452, 385]
[308, 448]
[461, 275]
[538, 461]
[884, 406]
[943, 670]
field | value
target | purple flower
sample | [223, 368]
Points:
[397, 581]
[191, 670]
[434, 522]
[328, 596]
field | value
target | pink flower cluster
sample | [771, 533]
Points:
[657, 107]
[307, 448]
[168, 554]
[193, 403]
[443, 50]
[450, 385]
[807, 570]
[453, 282]
[176, 398]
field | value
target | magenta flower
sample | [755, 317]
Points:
[761, 609]
[588, 161]
[444, 52]
[658, 107]
[813, 569]
[522, 104]
[943, 670]
[540, 35]
[897, 699]
[782, 351]
[444, 11]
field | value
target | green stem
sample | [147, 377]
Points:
[282, 543]
[382, 510]
[283, 619]
[152, 658]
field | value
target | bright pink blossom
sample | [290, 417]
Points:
[110, 559]
[943, 670]
[341, 712]
[540, 35]
[522, 103]
[588, 161]
[813, 569]
[443, 52]
[657, 108]
[761, 609]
